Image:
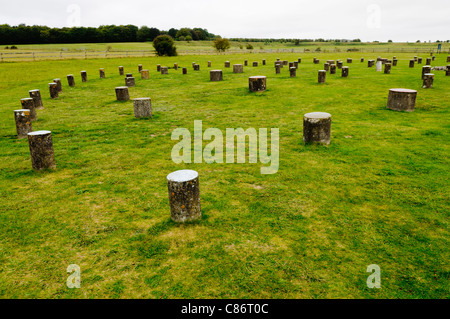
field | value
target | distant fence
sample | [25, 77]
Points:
[56, 55]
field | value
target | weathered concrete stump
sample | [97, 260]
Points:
[58, 85]
[370, 63]
[41, 150]
[345, 71]
[122, 93]
[402, 100]
[387, 68]
[83, 76]
[340, 64]
[292, 72]
[71, 80]
[428, 61]
[142, 107]
[433, 57]
[277, 69]
[317, 128]
[263, 62]
[246, 63]
[299, 60]
[425, 69]
[411, 63]
[362, 60]
[164, 70]
[255, 64]
[330, 62]
[279, 63]
[184, 195]
[394, 62]
[209, 64]
[23, 122]
[428, 79]
[139, 67]
[175, 66]
[184, 70]
[285, 62]
[326, 67]
[332, 68]
[53, 88]
[349, 60]
[238, 68]
[227, 64]
[296, 64]
[291, 64]
[121, 72]
[36, 96]
[448, 58]
[215, 75]
[197, 67]
[102, 73]
[158, 67]
[316, 61]
[415, 58]
[419, 60]
[28, 104]
[447, 71]
[145, 74]
[322, 76]
[130, 81]
[257, 83]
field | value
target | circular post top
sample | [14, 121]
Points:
[52, 84]
[57, 79]
[40, 133]
[83, 71]
[257, 77]
[26, 99]
[317, 115]
[215, 71]
[237, 64]
[34, 90]
[122, 87]
[345, 67]
[429, 74]
[403, 90]
[21, 110]
[69, 74]
[322, 71]
[184, 175]
[142, 99]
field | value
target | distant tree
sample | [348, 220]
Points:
[221, 45]
[147, 34]
[183, 32]
[173, 32]
[418, 41]
[389, 41]
[249, 46]
[164, 45]
[188, 38]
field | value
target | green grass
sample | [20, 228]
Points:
[377, 195]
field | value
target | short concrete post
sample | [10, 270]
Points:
[263, 62]
[428, 61]
[448, 58]
[139, 67]
[402, 100]
[257, 83]
[255, 64]
[121, 71]
[277, 69]
[209, 64]
[53, 88]
[394, 62]
[41, 150]
[238, 68]
[164, 70]
[285, 62]
[362, 60]
[58, 85]
[340, 64]
[345, 71]
[102, 73]
[326, 67]
[23, 122]
[227, 64]
[130, 81]
[197, 67]
[296, 64]
[158, 67]
[145, 74]
[419, 60]
[215, 75]
[122, 93]
[425, 69]
[246, 63]
[317, 128]
[184, 70]
[411, 63]
[332, 69]
[83, 76]
[428, 79]
[299, 60]
[36, 96]
[322, 76]
[184, 195]
[175, 66]
[349, 60]
[28, 104]
[292, 72]
[71, 80]
[142, 107]
[387, 68]
[370, 63]
[447, 71]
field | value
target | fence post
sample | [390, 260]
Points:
[60, 54]
[1, 56]
[34, 57]
[106, 54]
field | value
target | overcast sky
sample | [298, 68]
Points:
[368, 20]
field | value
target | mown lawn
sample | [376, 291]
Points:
[377, 195]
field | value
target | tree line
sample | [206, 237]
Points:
[23, 34]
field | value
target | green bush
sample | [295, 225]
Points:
[164, 45]
[221, 45]
[249, 47]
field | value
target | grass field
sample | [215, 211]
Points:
[378, 194]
